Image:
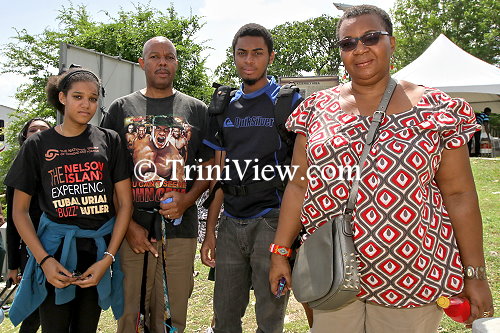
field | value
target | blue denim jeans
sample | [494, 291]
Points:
[242, 262]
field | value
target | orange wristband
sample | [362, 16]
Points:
[281, 250]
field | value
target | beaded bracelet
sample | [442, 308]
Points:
[45, 259]
[281, 250]
[109, 254]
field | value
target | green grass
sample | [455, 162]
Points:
[487, 177]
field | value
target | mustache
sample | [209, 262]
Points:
[162, 71]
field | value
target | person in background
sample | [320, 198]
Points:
[2, 249]
[417, 224]
[482, 119]
[17, 254]
[80, 176]
[2, 219]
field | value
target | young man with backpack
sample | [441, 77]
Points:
[246, 132]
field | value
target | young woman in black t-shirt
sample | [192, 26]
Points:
[80, 175]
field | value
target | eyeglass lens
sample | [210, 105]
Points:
[369, 39]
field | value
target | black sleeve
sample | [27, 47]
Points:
[13, 238]
[213, 138]
[112, 117]
[24, 174]
[119, 166]
[205, 152]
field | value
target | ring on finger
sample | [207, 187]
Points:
[486, 314]
[168, 215]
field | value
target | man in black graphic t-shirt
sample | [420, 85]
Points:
[157, 112]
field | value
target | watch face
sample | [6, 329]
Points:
[469, 272]
[283, 251]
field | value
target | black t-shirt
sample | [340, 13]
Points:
[72, 177]
[163, 137]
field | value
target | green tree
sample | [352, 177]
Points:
[471, 24]
[307, 46]
[36, 57]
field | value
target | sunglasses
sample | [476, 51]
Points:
[368, 39]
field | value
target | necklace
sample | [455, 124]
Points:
[61, 128]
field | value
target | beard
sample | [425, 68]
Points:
[251, 82]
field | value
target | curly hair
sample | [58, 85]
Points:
[64, 81]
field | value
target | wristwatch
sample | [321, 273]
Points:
[471, 272]
[281, 250]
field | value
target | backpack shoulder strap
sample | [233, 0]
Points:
[282, 110]
[283, 106]
[218, 105]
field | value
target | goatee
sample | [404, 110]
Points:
[251, 82]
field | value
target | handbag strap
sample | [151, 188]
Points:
[378, 116]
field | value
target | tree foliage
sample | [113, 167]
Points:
[471, 24]
[36, 57]
[307, 46]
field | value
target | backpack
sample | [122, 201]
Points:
[282, 109]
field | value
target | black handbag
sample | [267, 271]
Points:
[325, 273]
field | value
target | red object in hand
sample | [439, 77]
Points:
[457, 308]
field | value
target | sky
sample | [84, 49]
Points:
[222, 19]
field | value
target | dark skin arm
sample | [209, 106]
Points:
[456, 183]
[289, 224]
[207, 250]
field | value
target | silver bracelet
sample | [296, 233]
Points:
[109, 254]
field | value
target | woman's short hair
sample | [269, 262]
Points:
[360, 10]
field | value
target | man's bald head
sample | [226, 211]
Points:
[159, 62]
[157, 39]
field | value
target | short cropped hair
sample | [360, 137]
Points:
[360, 10]
[255, 30]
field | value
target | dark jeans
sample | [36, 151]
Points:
[81, 315]
[243, 261]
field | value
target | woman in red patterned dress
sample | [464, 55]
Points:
[417, 223]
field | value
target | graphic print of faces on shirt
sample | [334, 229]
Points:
[159, 148]
[77, 189]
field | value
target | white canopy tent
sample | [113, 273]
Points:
[446, 66]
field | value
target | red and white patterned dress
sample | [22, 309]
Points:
[403, 234]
